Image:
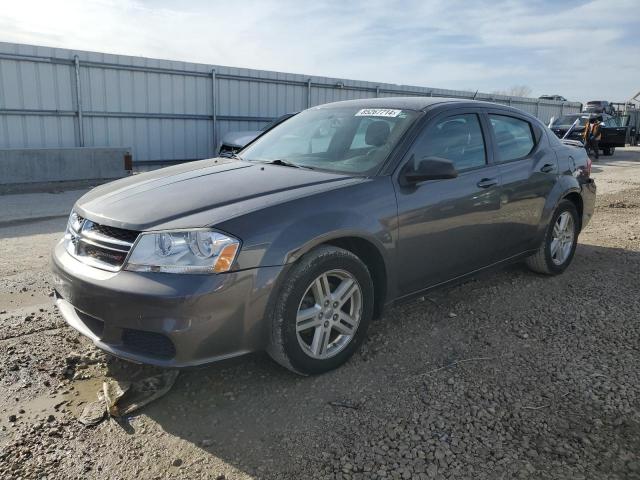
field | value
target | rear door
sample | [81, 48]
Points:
[448, 227]
[613, 134]
[529, 169]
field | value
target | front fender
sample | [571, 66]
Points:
[326, 227]
[281, 234]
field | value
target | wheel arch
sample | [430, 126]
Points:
[575, 198]
[567, 187]
[368, 249]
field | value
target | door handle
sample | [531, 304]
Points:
[487, 182]
[547, 167]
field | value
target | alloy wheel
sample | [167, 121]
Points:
[329, 314]
[562, 238]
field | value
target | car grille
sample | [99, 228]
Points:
[99, 245]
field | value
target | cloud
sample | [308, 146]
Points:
[581, 50]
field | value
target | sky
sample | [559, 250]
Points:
[583, 50]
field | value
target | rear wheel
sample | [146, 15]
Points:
[559, 244]
[608, 151]
[322, 312]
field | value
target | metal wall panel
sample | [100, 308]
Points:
[168, 110]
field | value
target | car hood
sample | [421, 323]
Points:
[202, 193]
[239, 139]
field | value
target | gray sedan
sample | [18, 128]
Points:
[295, 244]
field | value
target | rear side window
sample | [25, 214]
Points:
[514, 137]
[457, 138]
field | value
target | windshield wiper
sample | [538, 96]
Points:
[286, 163]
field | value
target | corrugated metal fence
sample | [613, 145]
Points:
[167, 110]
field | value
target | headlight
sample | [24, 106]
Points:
[192, 251]
[74, 224]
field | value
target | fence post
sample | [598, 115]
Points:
[309, 93]
[562, 109]
[377, 91]
[76, 63]
[537, 108]
[213, 111]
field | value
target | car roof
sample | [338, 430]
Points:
[419, 103]
[405, 103]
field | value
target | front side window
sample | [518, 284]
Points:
[514, 138]
[611, 122]
[457, 138]
[340, 139]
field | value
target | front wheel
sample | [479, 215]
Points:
[321, 315]
[559, 244]
[609, 151]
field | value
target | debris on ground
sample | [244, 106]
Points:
[345, 404]
[123, 398]
[93, 412]
[118, 398]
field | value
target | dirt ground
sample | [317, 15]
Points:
[511, 375]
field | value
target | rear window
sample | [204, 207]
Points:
[514, 137]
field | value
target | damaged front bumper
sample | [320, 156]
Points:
[164, 319]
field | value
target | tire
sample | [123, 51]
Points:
[608, 151]
[545, 260]
[302, 349]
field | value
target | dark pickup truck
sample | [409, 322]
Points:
[613, 134]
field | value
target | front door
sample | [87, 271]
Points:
[613, 135]
[449, 227]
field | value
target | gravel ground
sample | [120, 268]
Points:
[511, 375]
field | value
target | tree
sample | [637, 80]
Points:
[515, 91]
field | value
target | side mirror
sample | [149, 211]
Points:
[429, 168]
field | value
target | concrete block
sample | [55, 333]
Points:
[47, 165]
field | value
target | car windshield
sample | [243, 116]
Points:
[339, 139]
[276, 121]
[567, 120]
